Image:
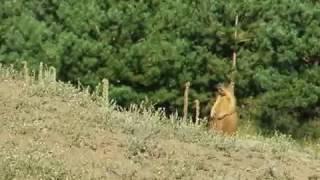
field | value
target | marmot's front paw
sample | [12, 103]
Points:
[213, 114]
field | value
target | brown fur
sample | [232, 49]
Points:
[223, 116]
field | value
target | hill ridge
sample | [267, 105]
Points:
[54, 130]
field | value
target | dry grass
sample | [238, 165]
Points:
[52, 130]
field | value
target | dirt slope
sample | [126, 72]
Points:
[57, 132]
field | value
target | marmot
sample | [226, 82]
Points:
[223, 116]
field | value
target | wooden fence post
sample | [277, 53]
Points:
[197, 104]
[40, 74]
[185, 103]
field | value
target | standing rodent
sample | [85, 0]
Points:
[223, 116]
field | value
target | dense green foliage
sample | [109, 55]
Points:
[149, 49]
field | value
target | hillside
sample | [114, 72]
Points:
[54, 131]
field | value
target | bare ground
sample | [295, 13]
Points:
[60, 133]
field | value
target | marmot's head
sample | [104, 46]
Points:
[222, 89]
